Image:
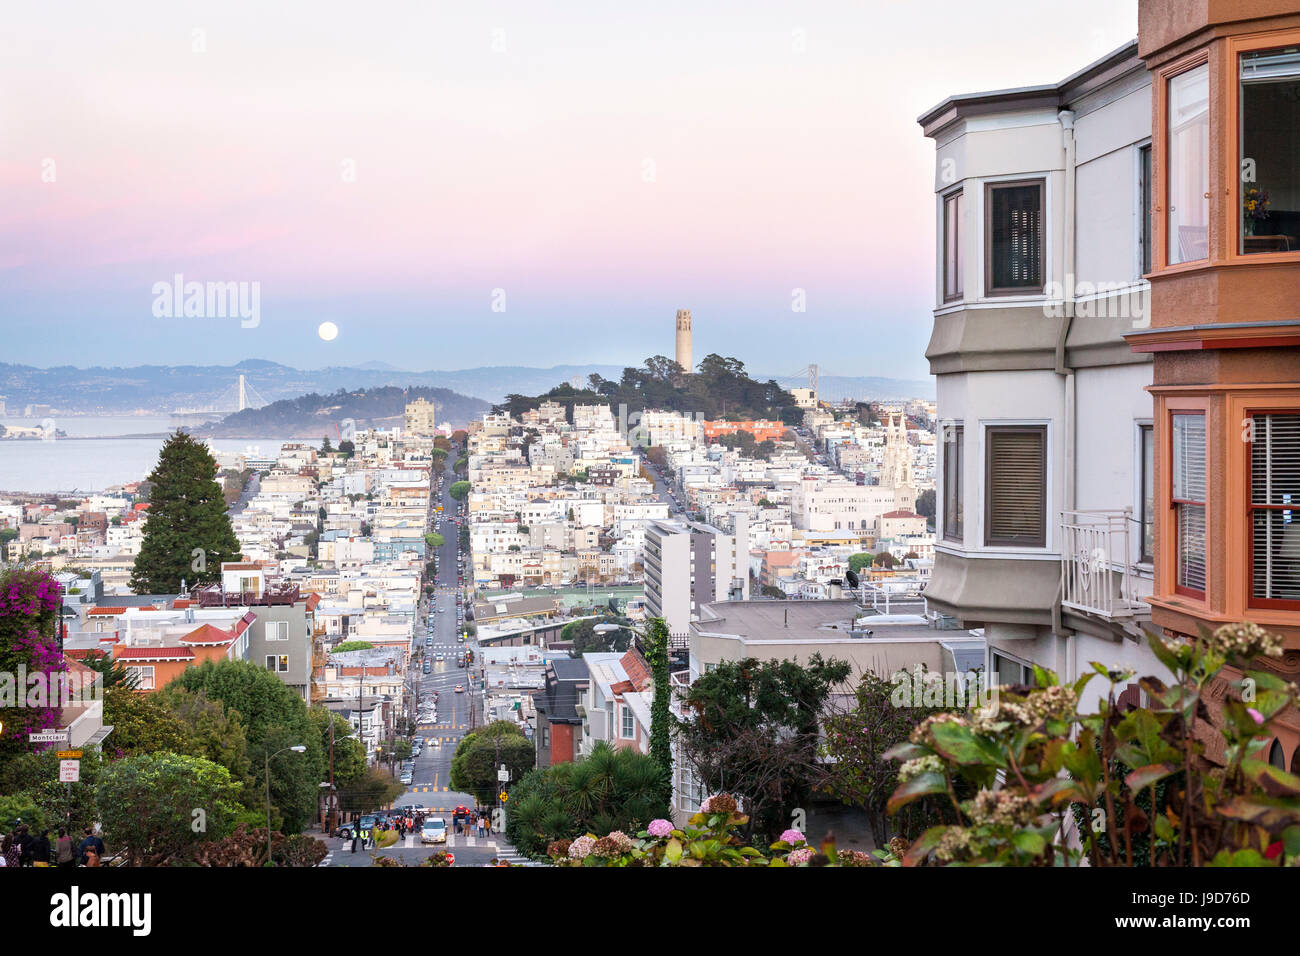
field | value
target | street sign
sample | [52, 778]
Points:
[503, 775]
[69, 754]
[504, 796]
[48, 737]
[69, 771]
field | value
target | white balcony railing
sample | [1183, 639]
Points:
[1097, 566]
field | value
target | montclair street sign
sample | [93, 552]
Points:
[48, 737]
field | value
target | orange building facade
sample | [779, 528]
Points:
[761, 429]
[1225, 321]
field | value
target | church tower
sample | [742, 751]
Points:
[684, 339]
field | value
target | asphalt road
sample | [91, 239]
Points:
[457, 714]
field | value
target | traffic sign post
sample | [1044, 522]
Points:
[69, 771]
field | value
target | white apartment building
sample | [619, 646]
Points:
[689, 564]
[1045, 458]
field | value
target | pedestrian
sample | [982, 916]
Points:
[9, 849]
[92, 857]
[25, 842]
[41, 849]
[90, 842]
[356, 838]
[65, 854]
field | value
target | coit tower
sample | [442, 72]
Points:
[684, 339]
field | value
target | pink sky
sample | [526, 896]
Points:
[775, 168]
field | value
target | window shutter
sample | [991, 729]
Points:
[1275, 501]
[1017, 237]
[1189, 498]
[1017, 486]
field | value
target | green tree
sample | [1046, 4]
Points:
[859, 561]
[753, 730]
[479, 755]
[610, 789]
[142, 724]
[275, 718]
[587, 640]
[347, 448]
[459, 490]
[434, 540]
[925, 503]
[349, 755]
[859, 773]
[187, 532]
[113, 673]
[160, 806]
[325, 447]
[215, 733]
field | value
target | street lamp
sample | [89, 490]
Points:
[298, 749]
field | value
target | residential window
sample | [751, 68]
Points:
[1015, 510]
[952, 258]
[1275, 508]
[1189, 165]
[1014, 238]
[1010, 671]
[1270, 151]
[277, 630]
[1147, 199]
[1188, 499]
[143, 676]
[1146, 492]
[954, 437]
[284, 663]
[270, 662]
[628, 728]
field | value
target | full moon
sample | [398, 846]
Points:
[328, 331]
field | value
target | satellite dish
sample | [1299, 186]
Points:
[852, 578]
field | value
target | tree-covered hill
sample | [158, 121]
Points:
[719, 388]
[314, 415]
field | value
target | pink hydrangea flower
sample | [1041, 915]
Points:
[792, 836]
[1255, 715]
[581, 848]
[800, 856]
[659, 828]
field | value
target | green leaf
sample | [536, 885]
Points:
[918, 786]
[1028, 841]
[1146, 776]
[960, 745]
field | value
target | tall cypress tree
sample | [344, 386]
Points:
[187, 514]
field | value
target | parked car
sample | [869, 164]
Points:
[406, 778]
[460, 688]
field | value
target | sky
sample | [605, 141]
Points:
[463, 184]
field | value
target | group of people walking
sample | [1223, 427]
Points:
[22, 847]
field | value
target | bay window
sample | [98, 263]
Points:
[953, 439]
[1269, 213]
[1189, 165]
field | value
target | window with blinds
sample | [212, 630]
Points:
[1015, 511]
[1275, 507]
[1187, 497]
[1014, 239]
[953, 441]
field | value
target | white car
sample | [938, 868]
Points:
[434, 831]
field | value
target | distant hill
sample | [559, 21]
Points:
[161, 389]
[721, 388]
[315, 416]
